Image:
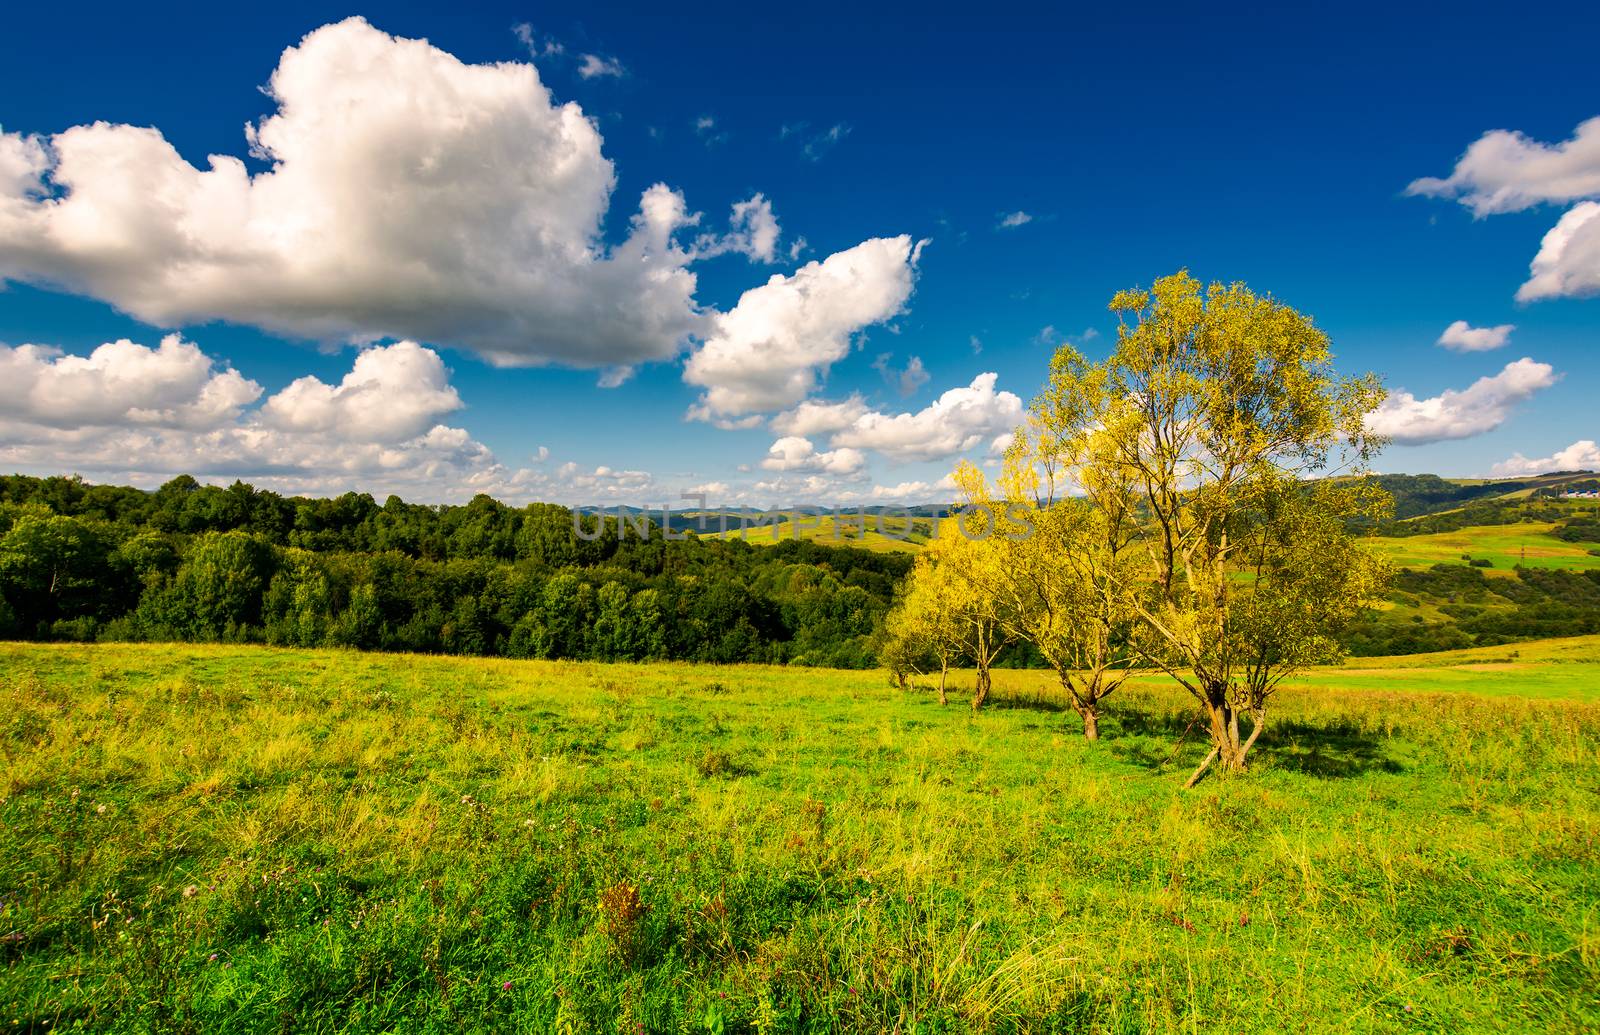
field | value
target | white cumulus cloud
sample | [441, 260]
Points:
[957, 421]
[406, 194]
[120, 383]
[133, 414]
[1583, 455]
[815, 417]
[1506, 171]
[799, 454]
[1568, 263]
[1463, 337]
[392, 392]
[769, 350]
[753, 231]
[1453, 414]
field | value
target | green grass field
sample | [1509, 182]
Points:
[905, 535]
[1506, 546]
[246, 839]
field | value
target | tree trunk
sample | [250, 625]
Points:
[980, 693]
[944, 670]
[1223, 722]
[1086, 704]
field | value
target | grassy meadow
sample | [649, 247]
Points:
[898, 535]
[1527, 543]
[209, 838]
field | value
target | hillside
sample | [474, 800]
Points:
[867, 532]
[240, 838]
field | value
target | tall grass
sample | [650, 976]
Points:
[243, 839]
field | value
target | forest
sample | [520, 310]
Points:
[238, 564]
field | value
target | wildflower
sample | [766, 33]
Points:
[506, 987]
[212, 958]
[191, 891]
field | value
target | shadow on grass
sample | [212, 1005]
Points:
[1329, 750]
[1157, 738]
[1333, 750]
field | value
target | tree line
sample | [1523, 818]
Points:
[240, 564]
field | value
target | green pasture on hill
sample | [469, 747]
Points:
[242, 839]
[1529, 544]
[899, 534]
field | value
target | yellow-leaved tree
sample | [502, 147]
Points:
[1069, 577]
[1218, 407]
[924, 629]
[964, 565]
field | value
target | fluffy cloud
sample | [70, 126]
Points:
[392, 392]
[1505, 171]
[798, 454]
[406, 195]
[958, 420]
[1480, 408]
[908, 492]
[603, 482]
[129, 413]
[768, 351]
[173, 386]
[814, 417]
[1014, 219]
[752, 231]
[1463, 337]
[1583, 455]
[1568, 263]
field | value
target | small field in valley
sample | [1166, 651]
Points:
[1527, 543]
[868, 532]
[224, 838]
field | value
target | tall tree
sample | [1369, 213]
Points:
[1063, 562]
[966, 568]
[1218, 403]
[924, 626]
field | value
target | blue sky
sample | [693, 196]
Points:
[1274, 147]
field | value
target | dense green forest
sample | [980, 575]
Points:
[238, 564]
